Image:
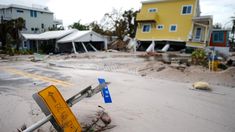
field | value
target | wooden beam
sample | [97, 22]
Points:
[203, 25]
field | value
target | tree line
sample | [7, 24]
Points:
[115, 23]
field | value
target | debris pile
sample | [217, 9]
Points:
[118, 45]
[100, 123]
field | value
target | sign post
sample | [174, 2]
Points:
[63, 116]
[57, 110]
[105, 91]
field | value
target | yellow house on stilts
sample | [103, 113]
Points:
[176, 22]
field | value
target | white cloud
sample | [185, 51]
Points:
[221, 10]
[24, 2]
[88, 10]
[93, 10]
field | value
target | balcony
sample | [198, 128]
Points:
[58, 21]
[6, 18]
[147, 17]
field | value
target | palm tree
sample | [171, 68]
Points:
[12, 28]
[233, 33]
[18, 25]
[233, 29]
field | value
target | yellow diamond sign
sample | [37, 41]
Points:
[59, 109]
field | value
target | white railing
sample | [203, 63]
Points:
[6, 17]
[58, 21]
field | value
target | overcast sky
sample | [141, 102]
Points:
[93, 10]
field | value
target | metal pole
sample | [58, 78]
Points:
[84, 47]
[38, 124]
[93, 47]
[37, 45]
[74, 48]
[213, 59]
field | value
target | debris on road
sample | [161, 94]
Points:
[133, 74]
[201, 86]
[23, 127]
[100, 122]
[161, 68]
[39, 57]
[118, 45]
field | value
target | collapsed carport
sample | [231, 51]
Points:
[82, 41]
[46, 41]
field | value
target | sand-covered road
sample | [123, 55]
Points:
[140, 103]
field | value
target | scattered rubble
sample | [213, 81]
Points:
[170, 65]
[118, 45]
[101, 122]
[112, 50]
[151, 68]
[201, 86]
[39, 57]
[161, 68]
[23, 127]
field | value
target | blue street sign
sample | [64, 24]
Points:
[105, 92]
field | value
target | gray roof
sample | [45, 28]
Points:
[48, 35]
[41, 9]
[203, 17]
[77, 36]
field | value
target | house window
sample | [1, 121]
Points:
[32, 29]
[187, 9]
[218, 37]
[33, 13]
[20, 11]
[198, 33]
[160, 27]
[25, 44]
[146, 28]
[152, 10]
[42, 26]
[173, 28]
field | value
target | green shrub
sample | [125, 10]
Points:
[199, 57]
[23, 52]
[30, 52]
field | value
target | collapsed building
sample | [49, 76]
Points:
[65, 41]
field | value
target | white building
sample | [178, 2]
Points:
[82, 41]
[66, 41]
[38, 19]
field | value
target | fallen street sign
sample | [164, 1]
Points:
[57, 110]
[51, 102]
[105, 92]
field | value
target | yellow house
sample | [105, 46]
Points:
[177, 22]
